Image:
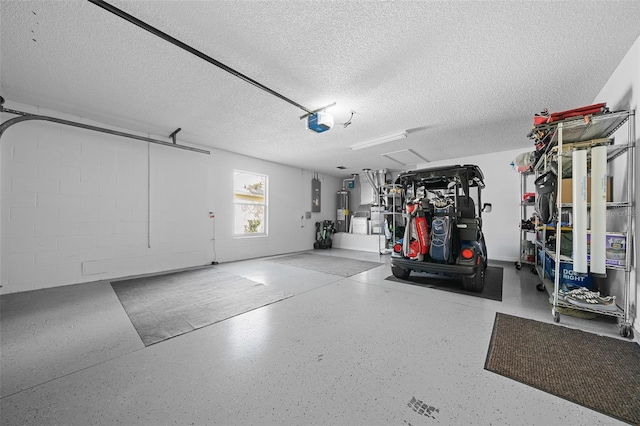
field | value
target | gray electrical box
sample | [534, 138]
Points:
[315, 195]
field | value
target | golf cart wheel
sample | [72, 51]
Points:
[316, 245]
[398, 272]
[476, 283]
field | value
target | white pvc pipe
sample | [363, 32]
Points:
[579, 188]
[598, 209]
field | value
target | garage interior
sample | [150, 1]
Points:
[136, 288]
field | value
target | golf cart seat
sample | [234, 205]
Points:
[468, 224]
[467, 207]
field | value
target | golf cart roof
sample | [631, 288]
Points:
[440, 177]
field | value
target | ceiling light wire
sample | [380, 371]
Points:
[348, 122]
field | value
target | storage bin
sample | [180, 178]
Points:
[616, 248]
[567, 277]
[469, 230]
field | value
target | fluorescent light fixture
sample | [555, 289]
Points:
[405, 157]
[378, 141]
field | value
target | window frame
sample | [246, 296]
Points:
[264, 204]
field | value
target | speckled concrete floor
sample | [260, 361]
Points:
[356, 351]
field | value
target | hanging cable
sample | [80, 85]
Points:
[348, 122]
[212, 216]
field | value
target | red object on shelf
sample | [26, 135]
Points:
[545, 117]
[577, 112]
[540, 119]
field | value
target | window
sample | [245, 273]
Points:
[250, 203]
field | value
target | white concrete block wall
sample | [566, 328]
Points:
[74, 206]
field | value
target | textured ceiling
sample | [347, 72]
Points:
[463, 77]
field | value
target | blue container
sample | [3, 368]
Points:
[568, 279]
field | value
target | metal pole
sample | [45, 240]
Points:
[148, 195]
[632, 211]
[122, 14]
[558, 223]
[25, 117]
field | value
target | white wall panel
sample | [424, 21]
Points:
[97, 175]
[76, 187]
[78, 215]
[32, 245]
[32, 214]
[56, 257]
[55, 171]
[34, 155]
[77, 242]
[59, 201]
[97, 202]
[68, 273]
[24, 279]
[114, 240]
[31, 184]
[20, 168]
[21, 260]
[95, 228]
[19, 231]
[99, 253]
[83, 206]
[53, 229]
[19, 199]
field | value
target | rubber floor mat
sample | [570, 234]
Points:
[165, 306]
[333, 265]
[492, 283]
[597, 372]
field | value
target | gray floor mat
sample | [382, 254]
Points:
[334, 265]
[165, 306]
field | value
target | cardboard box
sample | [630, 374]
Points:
[568, 278]
[567, 190]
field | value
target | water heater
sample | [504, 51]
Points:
[342, 214]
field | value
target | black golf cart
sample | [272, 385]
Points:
[443, 232]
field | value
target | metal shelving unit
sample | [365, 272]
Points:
[525, 208]
[391, 199]
[563, 137]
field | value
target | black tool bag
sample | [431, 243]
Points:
[546, 189]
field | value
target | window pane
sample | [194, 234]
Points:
[249, 188]
[250, 199]
[249, 219]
